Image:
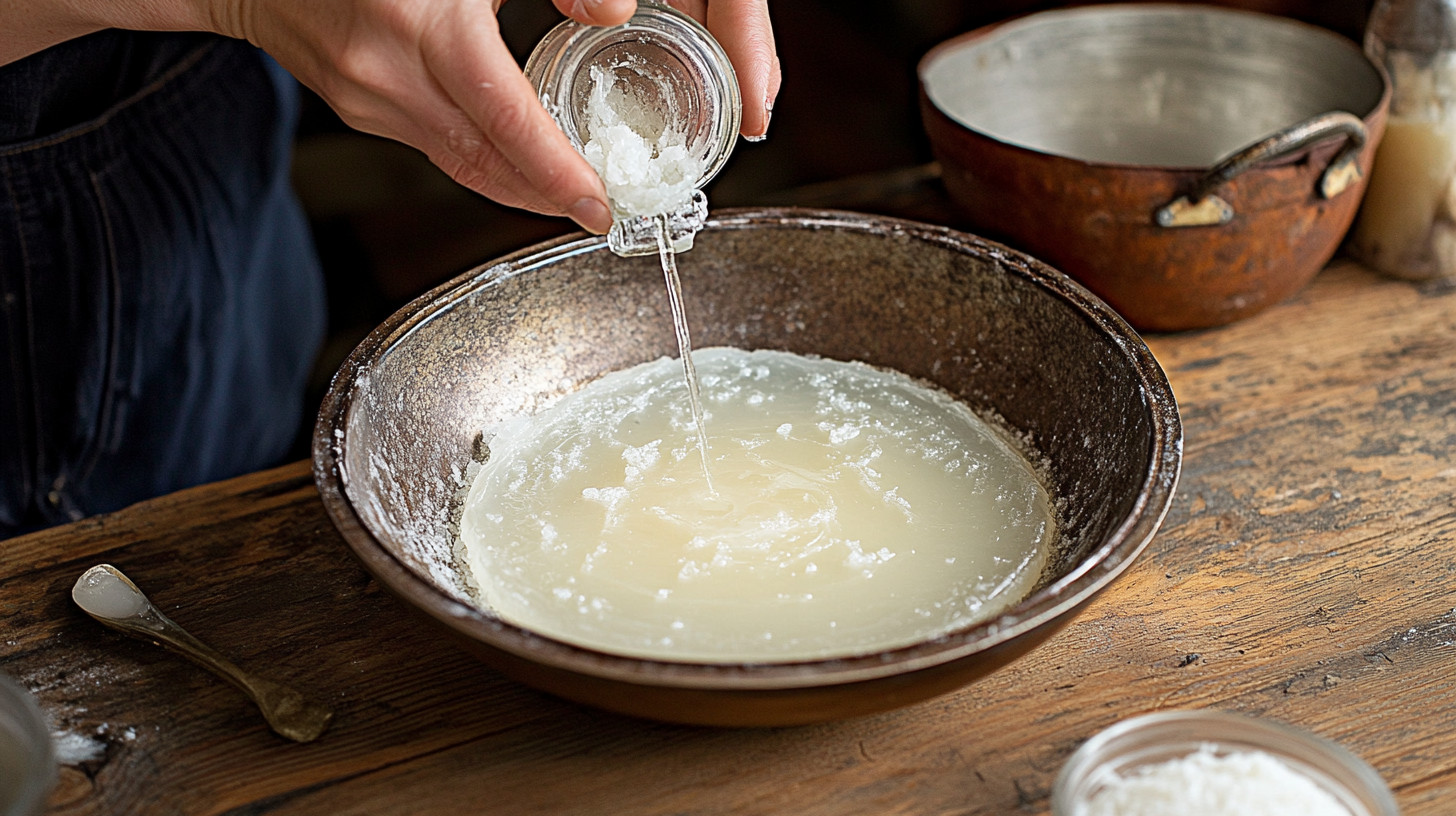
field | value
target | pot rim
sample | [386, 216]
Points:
[1063, 596]
[988, 31]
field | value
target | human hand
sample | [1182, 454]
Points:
[742, 27]
[435, 74]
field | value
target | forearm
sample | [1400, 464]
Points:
[34, 25]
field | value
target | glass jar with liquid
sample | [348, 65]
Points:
[1407, 224]
[663, 78]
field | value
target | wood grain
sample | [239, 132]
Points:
[1306, 573]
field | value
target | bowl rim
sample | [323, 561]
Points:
[1098, 569]
[1012, 24]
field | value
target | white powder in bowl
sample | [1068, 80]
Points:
[643, 160]
[1204, 783]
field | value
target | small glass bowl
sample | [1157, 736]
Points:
[1154, 738]
[676, 67]
[27, 758]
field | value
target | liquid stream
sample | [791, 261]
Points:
[647, 169]
[684, 343]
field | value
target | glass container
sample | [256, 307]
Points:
[674, 67]
[1154, 738]
[1407, 226]
[27, 758]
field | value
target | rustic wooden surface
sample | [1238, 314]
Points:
[1306, 573]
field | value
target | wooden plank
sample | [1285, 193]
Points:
[1305, 573]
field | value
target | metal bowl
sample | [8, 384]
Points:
[1191, 165]
[1003, 332]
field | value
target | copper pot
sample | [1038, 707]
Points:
[1006, 334]
[1192, 165]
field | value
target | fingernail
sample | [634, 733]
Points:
[767, 117]
[592, 215]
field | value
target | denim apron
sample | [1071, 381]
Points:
[160, 299]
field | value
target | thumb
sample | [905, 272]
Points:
[598, 12]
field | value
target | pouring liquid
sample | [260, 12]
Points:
[648, 171]
[684, 343]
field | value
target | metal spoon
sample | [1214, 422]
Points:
[107, 595]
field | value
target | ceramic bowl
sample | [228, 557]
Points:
[1010, 336]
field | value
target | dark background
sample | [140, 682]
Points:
[389, 225]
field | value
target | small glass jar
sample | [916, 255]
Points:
[1154, 738]
[677, 70]
[27, 758]
[1407, 224]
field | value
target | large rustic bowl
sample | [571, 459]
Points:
[1191, 165]
[1012, 337]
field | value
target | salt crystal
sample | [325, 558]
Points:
[1206, 783]
[643, 161]
[73, 749]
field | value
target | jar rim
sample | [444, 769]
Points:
[1161, 736]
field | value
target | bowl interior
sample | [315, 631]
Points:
[1017, 341]
[1169, 86]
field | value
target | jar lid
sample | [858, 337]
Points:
[673, 65]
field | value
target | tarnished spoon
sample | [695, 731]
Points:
[110, 597]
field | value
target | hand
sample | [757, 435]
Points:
[433, 74]
[436, 75]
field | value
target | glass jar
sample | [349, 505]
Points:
[27, 758]
[673, 67]
[1154, 738]
[1407, 225]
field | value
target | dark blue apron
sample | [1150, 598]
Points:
[160, 300]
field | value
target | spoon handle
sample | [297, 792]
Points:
[152, 625]
[129, 610]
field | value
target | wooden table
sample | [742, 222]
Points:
[1306, 573]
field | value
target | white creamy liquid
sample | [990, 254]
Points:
[643, 161]
[855, 511]
[101, 593]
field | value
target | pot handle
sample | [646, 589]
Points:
[1200, 208]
